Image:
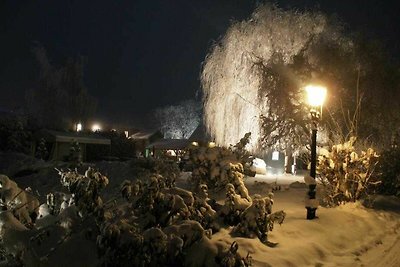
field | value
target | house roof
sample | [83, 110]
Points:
[143, 134]
[166, 144]
[200, 134]
[68, 137]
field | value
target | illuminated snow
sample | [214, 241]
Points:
[229, 79]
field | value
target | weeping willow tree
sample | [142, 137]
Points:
[253, 78]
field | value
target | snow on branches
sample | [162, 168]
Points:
[346, 174]
[252, 77]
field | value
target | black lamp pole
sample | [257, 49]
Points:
[315, 115]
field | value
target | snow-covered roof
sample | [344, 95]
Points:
[67, 137]
[143, 134]
[200, 134]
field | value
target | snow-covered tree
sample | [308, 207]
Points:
[179, 121]
[253, 78]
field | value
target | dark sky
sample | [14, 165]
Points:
[142, 54]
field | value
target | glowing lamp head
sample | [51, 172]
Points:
[79, 127]
[316, 95]
[96, 128]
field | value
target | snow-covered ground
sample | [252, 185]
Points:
[350, 235]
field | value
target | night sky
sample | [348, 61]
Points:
[143, 54]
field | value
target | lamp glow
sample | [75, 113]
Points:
[316, 95]
[195, 144]
[96, 128]
[79, 127]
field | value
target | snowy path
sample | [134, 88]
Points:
[283, 179]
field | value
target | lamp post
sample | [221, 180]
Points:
[316, 96]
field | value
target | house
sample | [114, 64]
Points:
[201, 137]
[170, 147]
[143, 138]
[59, 144]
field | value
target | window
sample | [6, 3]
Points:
[275, 155]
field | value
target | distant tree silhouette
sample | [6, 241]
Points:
[61, 98]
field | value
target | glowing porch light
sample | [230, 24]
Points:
[79, 127]
[96, 128]
[195, 144]
[316, 95]
[211, 144]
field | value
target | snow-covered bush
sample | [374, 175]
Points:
[218, 166]
[346, 174]
[23, 205]
[389, 171]
[231, 257]
[257, 220]
[146, 167]
[161, 222]
[155, 223]
[234, 205]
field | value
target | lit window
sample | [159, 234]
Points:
[275, 155]
[195, 144]
[211, 144]
[126, 134]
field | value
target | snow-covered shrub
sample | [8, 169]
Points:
[231, 257]
[389, 171]
[157, 203]
[234, 205]
[218, 166]
[146, 167]
[157, 227]
[243, 155]
[257, 220]
[346, 174]
[85, 188]
[24, 205]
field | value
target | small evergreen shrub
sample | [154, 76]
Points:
[75, 155]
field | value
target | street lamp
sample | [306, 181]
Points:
[316, 96]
